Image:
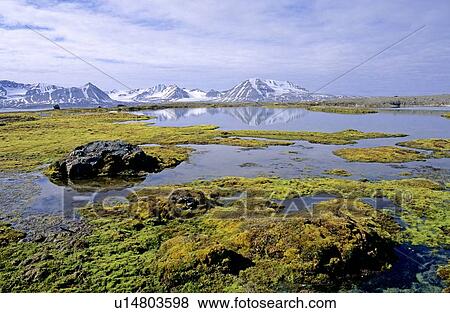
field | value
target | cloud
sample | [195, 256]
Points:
[214, 44]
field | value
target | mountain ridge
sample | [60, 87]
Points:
[20, 95]
[13, 94]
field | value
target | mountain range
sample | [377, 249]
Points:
[21, 95]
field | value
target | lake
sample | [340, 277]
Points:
[33, 197]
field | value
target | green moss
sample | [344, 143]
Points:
[424, 203]
[337, 172]
[341, 110]
[170, 156]
[444, 274]
[383, 154]
[9, 235]
[446, 115]
[245, 245]
[439, 146]
[337, 138]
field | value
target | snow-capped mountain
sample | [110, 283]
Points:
[14, 94]
[160, 93]
[251, 90]
[256, 89]
[20, 95]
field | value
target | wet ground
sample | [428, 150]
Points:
[39, 207]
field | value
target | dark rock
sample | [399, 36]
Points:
[227, 261]
[56, 107]
[103, 159]
[188, 199]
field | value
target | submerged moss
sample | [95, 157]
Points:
[439, 146]
[337, 172]
[383, 154]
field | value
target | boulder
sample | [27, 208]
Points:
[104, 159]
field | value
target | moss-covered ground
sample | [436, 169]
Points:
[383, 154]
[338, 172]
[344, 137]
[202, 237]
[31, 139]
[439, 146]
[192, 238]
[444, 274]
[341, 110]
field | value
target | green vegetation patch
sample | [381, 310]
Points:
[191, 238]
[169, 156]
[344, 137]
[444, 274]
[32, 139]
[446, 115]
[338, 172]
[439, 146]
[383, 154]
[36, 139]
[341, 110]
[9, 235]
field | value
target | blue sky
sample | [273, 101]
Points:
[215, 44]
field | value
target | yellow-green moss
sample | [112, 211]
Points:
[338, 172]
[439, 146]
[169, 155]
[446, 115]
[337, 138]
[444, 274]
[383, 154]
[341, 110]
[242, 246]
[9, 235]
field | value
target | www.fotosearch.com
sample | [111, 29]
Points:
[238, 302]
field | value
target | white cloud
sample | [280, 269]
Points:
[213, 44]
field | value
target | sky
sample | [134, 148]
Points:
[215, 44]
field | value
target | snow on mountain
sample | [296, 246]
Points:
[160, 93]
[250, 90]
[125, 96]
[268, 90]
[21, 95]
[14, 94]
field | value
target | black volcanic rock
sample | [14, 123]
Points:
[103, 159]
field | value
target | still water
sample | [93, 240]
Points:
[26, 197]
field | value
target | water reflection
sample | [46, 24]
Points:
[418, 123]
[252, 116]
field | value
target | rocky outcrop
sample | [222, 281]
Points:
[103, 159]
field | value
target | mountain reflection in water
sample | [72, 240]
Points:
[253, 116]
